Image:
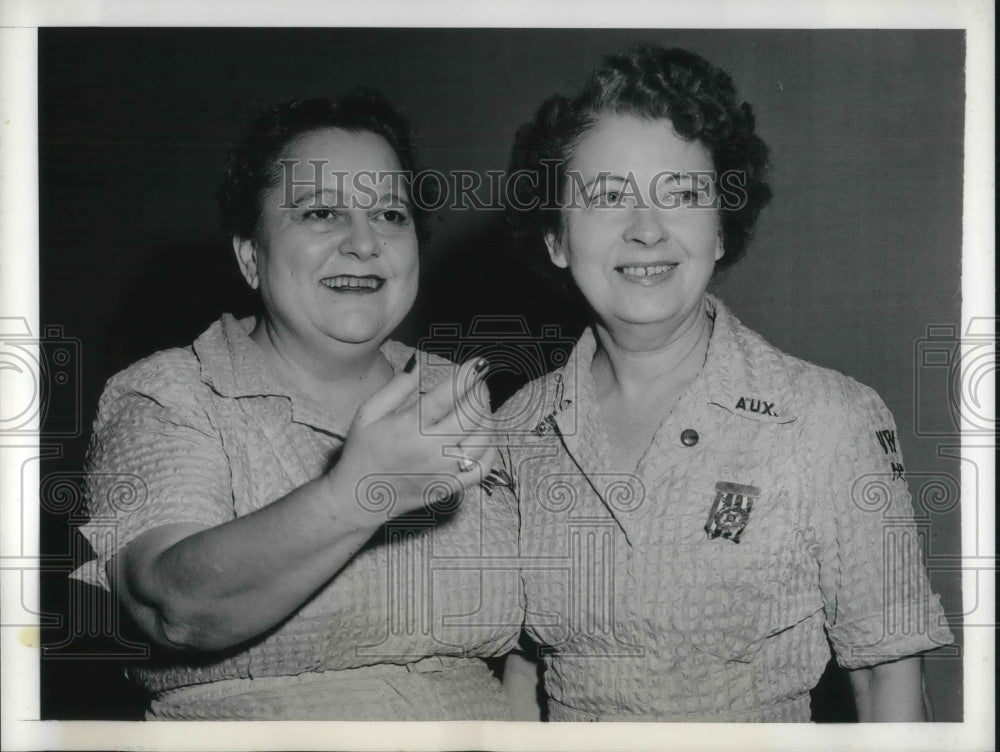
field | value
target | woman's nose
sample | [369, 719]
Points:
[360, 241]
[644, 226]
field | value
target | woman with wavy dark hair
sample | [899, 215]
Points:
[694, 521]
[300, 482]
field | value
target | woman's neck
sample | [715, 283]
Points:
[641, 363]
[346, 374]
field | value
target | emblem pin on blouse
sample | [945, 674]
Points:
[689, 437]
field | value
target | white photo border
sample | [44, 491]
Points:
[19, 650]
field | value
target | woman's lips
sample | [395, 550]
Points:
[645, 273]
[353, 284]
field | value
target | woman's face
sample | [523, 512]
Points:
[642, 236]
[335, 257]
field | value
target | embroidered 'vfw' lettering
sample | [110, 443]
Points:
[887, 439]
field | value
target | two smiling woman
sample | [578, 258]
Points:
[680, 556]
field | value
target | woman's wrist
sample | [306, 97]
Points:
[353, 508]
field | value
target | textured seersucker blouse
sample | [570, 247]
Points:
[770, 511]
[205, 434]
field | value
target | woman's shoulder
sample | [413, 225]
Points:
[162, 393]
[526, 409]
[175, 366]
[811, 391]
[168, 378]
[171, 377]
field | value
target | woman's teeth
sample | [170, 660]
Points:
[645, 271]
[351, 282]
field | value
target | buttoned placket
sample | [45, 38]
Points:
[582, 433]
[684, 435]
[585, 440]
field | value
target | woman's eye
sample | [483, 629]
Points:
[395, 216]
[679, 198]
[320, 215]
[608, 199]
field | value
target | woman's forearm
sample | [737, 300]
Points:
[211, 589]
[890, 691]
[520, 683]
[217, 587]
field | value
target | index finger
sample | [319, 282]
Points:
[442, 399]
[390, 397]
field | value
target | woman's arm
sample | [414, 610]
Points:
[204, 588]
[193, 588]
[520, 682]
[890, 691]
[871, 558]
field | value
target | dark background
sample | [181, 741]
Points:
[859, 253]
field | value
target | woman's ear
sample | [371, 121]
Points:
[720, 249]
[556, 251]
[246, 257]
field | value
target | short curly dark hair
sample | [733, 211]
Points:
[698, 99]
[252, 168]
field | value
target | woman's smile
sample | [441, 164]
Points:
[352, 284]
[646, 275]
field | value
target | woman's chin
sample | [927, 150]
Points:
[652, 314]
[646, 319]
[373, 339]
[362, 334]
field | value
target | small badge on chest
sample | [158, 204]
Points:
[731, 510]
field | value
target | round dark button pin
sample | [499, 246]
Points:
[689, 437]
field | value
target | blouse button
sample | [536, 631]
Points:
[689, 437]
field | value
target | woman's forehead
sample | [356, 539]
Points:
[619, 142]
[337, 162]
[342, 150]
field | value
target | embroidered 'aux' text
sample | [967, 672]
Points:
[759, 406]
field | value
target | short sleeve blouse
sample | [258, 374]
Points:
[770, 511]
[205, 434]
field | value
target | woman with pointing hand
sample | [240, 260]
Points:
[294, 479]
